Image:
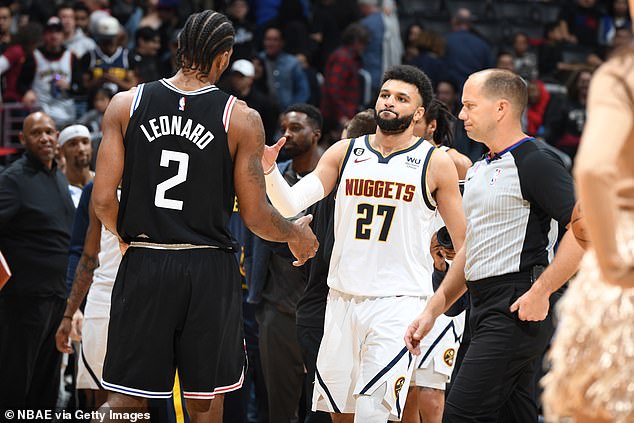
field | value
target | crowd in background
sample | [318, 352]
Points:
[70, 59]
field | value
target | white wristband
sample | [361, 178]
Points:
[289, 201]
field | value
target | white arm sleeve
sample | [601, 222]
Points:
[289, 201]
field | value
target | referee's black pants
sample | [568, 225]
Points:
[496, 382]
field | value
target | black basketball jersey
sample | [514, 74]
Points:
[177, 183]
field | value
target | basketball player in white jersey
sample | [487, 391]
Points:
[388, 188]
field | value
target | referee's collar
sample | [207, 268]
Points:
[490, 156]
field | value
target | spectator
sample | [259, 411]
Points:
[315, 79]
[538, 100]
[240, 83]
[75, 143]
[144, 60]
[550, 53]
[341, 91]
[276, 285]
[74, 38]
[51, 76]
[567, 124]
[411, 47]
[5, 27]
[432, 48]
[466, 52]
[580, 22]
[36, 214]
[12, 60]
[618, 17]
[505, 61]
[237, 12]
[108, 63]
[286, 80]
[82, 15]
[447, 92]
[373, 54]
[92, 119]
[329, 20]
[524, 61]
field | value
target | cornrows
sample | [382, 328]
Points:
[439, 111]
[205, 35]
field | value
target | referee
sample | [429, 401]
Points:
[513, 200]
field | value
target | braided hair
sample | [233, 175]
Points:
[437, 110]
[204, 36]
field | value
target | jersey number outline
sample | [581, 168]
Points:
[367, 215]
[168, 156]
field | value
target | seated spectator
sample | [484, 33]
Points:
[447, 92]
[13, 58]
[341, 92]
[410, 43]
[566, 124]
[525, 61]
[92, 119]
[431, 46]
[144, 60]
[51, 76]
[5, 27]
[505, 61]
[244, 44]
[580, 22]
[550, 53]
[239, 83]
[108, 62]
[538, 100]
[74, 38]
[618, 17]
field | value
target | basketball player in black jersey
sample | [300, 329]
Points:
[181, 149]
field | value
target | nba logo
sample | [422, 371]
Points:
[181, 104]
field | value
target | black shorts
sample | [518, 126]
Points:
[175, 309]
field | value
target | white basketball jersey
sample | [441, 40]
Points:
[384, 220]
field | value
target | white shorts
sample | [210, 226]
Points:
[94, 338]
[439, 349]
[362, 349]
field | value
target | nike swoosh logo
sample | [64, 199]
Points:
[359, 161]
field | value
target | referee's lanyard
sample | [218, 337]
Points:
[492, 157]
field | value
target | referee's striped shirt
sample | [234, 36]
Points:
[513, 202]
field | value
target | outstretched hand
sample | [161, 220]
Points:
[270, 154]
[305, 245]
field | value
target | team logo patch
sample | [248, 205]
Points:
[181, 104]
[399, 385]
[358, 151]
[448, 356]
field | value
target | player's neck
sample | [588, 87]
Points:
[389, 143]
[306, 162]
[188, 80]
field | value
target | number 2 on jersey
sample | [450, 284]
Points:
[367, 214]
[168, 156]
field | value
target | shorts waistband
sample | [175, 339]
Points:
[155, 246]
[509, 278]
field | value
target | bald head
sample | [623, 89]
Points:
[500, 84]
[36, 117]
[39, 136]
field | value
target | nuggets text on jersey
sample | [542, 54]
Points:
[380, 189]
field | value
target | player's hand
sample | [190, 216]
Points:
[304, 246]
[77, 326]
[448, 253]
[417, 330]
[533, 305]
[123, 247]
[270, 154]
[62, 337]
[436, 252]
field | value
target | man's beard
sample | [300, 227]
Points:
[393, 126]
